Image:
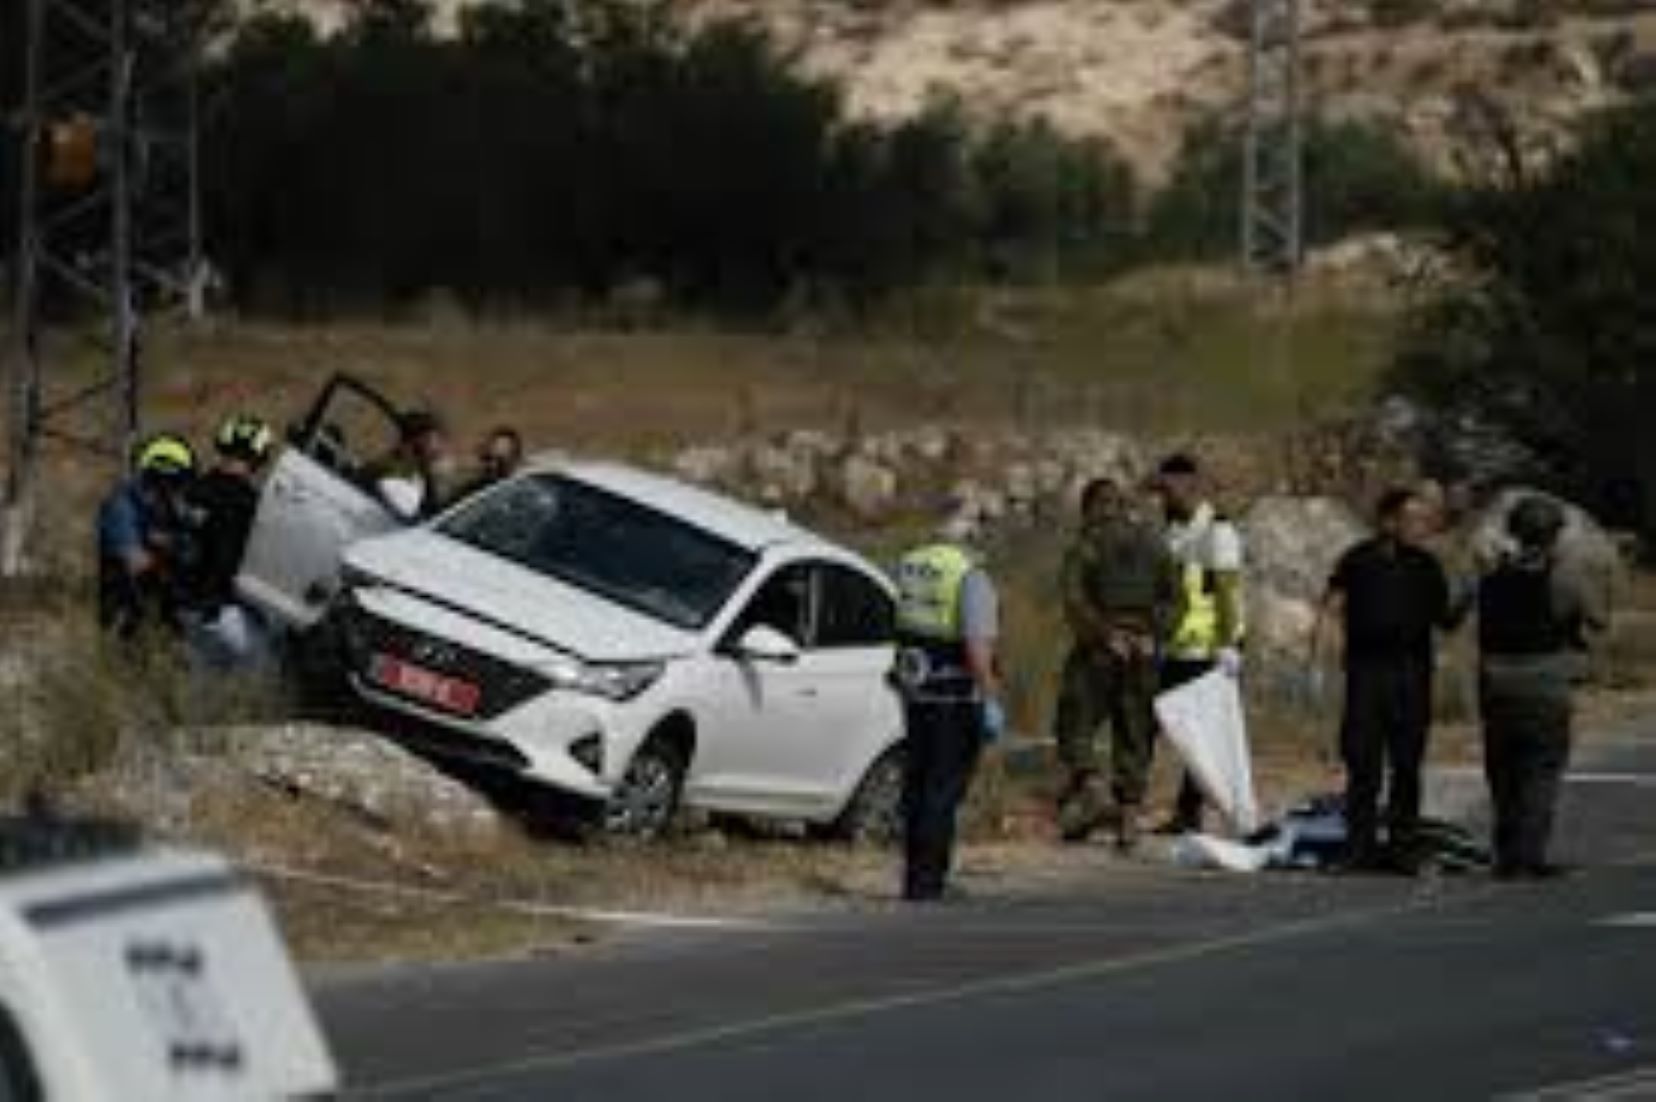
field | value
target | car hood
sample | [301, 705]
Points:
[509, 597]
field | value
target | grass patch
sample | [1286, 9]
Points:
[1179, 353]
[324, 925]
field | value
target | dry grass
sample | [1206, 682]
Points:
[1173, 353]
[1170, 354]
[323, 925]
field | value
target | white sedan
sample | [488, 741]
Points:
[616, 635]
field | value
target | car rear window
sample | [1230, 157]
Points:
[612, 546]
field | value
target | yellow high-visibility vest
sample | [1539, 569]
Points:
[1195, 545]
[1196, 635]
[930, 581]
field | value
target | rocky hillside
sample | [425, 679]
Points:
[1137, 71]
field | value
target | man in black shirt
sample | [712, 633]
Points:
[223, 504]
[1392, 596]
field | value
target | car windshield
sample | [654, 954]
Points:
[629, 553]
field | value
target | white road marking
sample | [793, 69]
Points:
[531, 908]
[1637, 920]
[1631, 1086]
[1635, 780]
[856, 1009]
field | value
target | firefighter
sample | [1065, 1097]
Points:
[143, 540]
[948, 673]
[224, 633]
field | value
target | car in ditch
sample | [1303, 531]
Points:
[617, 636]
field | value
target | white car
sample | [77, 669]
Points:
[619, 636]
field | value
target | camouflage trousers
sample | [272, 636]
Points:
[1102, 688]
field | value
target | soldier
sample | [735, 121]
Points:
[1534, 614]
[1116, 583]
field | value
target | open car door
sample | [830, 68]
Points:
[318, 500]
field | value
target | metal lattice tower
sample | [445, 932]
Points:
[109, 226]
[1272, 186]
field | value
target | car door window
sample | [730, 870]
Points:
[351, 431]
[785, 602]
[853, 611]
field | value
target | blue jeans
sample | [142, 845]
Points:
[234, 639]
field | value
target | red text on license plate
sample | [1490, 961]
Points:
[447, 693]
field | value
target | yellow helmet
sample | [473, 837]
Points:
[166, 456]
[243, 436]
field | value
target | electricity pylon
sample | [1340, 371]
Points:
[109, 226]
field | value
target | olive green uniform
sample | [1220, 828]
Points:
[1117, 579]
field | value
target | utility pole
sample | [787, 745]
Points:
[1272, 182]
[1273, 202]
[108, 227]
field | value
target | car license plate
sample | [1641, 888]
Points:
[450, 694]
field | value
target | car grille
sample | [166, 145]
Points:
[503, 685]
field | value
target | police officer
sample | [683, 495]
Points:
[1534, 614]
[142, 540]
[224, 633]
[1206, 627]
[947, 671]
[1116, 581]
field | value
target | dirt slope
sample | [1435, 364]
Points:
[1137, 71]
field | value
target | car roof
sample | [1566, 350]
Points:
[748, 527]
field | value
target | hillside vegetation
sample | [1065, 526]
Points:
[1140, 72]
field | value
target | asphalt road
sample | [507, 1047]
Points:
[1150, 984]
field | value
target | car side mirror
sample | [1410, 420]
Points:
[762, 643]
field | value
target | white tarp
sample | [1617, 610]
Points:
[1203, 851]
[1205, 721]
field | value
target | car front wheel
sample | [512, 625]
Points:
[874, 817]
[646, 801]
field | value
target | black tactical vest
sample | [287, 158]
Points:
[1516, 616]
[1127, 569]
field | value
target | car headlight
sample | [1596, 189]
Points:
[610, 680]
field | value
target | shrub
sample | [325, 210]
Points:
[1549, 335]
[1358, 176]
[557, 148]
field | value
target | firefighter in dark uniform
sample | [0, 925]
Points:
[1534, 614]
[143, 547]
[947, 625]
[1117, 582]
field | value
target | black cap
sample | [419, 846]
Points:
[1178, 464]
[1536, 521]
[416, 423]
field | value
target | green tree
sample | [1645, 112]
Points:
[1551, 332]
[1358, 176]
[1050, 208]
